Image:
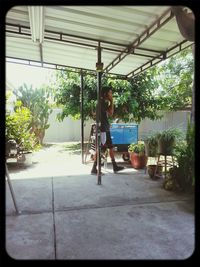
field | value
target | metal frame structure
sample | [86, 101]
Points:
[127, 50]
[99, 69]
[16, 26]
[140, 39]
[12, 191]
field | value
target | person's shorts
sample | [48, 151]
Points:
[106, 144]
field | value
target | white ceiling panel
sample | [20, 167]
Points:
[71, 35]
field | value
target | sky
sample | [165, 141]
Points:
[18, 74]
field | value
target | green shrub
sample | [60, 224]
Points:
[138, 148]
[38, 102]
[18, 128]
[170, 134]
[183, 174]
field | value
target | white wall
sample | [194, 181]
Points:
[177, 119]
[70, 130]
[65, 131]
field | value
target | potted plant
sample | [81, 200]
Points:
[137, 155]
[27, 146]
[151, 150]
[151, 145]
[182, 176]
[167, 140]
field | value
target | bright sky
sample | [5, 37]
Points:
[18, 74]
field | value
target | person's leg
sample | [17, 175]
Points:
[103, 148]
[111, 153]
[94, 167]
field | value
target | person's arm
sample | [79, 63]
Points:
[110, 109]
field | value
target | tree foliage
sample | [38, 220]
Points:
[164, 87]
[67, 93]
[130, 103]
[175, 77]
[18, 127]
[37, 100]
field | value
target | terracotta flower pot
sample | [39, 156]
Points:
[138, 161]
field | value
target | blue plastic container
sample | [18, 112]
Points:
[123, 134]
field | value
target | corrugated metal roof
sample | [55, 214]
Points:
[132, 37]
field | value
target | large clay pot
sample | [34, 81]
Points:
[138, 161]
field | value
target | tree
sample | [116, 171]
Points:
[133, 99]
[167, 86]
[68, 94]
[186, 24]
[37, 100]
[175, 77]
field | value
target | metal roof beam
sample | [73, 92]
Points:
[145, 35]
[58, 67]
[157, 59]
[24, 30]
[82, 44]
[132, 74]
[98, 40]
[41, 53]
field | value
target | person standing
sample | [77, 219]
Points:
[107, 109]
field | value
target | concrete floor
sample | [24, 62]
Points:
[66, 215]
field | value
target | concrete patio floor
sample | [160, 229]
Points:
[66, 215]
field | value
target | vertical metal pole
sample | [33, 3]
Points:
[165, 166]
[99, 69]
[11, 190]
[192, 114]
[82, 120]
